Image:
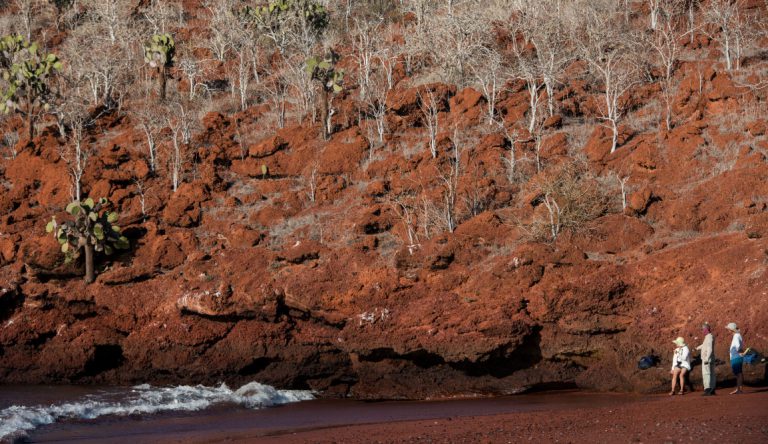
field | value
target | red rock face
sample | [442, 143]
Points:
[293, 261]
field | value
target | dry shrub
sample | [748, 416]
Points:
[567, 197]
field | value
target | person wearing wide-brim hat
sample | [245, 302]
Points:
[681, 365]
[737, 356]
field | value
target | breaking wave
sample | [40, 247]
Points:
[144, 399]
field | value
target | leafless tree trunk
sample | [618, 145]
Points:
[555, 212]
[377, 105]
[725, 19]
[488, 71]
[665, 41]
[26, 12]
[510, 160]
[365, 52]
[429, 109]
[608, 49]
[405, 211]
[75, 154]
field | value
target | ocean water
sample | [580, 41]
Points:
[23, 410]
[202, 414]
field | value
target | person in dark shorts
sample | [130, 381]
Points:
[737, 357]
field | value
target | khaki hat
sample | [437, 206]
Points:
[732, 326]
[679, 341]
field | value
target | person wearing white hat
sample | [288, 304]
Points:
[707, 349]
[681, 365]
[737, 357]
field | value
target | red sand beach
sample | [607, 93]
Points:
[547, 417]
[688, 418]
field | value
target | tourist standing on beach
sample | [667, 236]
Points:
[737, 357]
[707, 349]
[681, 365]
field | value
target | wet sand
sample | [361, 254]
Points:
[550, 417]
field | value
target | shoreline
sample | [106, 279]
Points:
[563, 417]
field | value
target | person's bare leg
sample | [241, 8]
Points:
[674, 380]
[739, 383]
[682, 380]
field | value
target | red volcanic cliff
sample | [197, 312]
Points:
[303, 274]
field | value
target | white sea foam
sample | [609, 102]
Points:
[143, 399]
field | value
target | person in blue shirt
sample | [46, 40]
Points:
[737, 357]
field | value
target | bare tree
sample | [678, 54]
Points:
[655, 7]
[77, 150]
[452, 41]
[301, 91]
[726, 22]
[27, 12]
[387, 61]
[243, 62]
[309, 179]
[9, 141]
[510, 159]
[405, 208]
[151, 122]
[553, 51]
[141, 191]
[450, 181]
[194, 71]
[162, 15]
[220, 26]
[277, 89]
[430, 109]
[105, 67]
[608, 48]
[665, 41]
[376, 104]
[488, 70]
[112, 17]
[181, 120]
[540, 51]
[178, 155]
[365, 49]
[526, 69]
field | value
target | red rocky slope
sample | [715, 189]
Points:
[240, 276]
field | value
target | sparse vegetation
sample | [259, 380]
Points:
[401, 74]
[25, 73]
[91, 230]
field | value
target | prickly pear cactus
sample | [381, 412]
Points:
[160, 51]
[324, 71]
[25, 71]
[277, 13]
[92, 228]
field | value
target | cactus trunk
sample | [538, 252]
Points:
[90, 274]
[163, 78]
[30, 116]
[30, 125]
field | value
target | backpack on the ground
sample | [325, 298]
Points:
[647, 362]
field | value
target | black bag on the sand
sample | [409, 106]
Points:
[646, 362]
